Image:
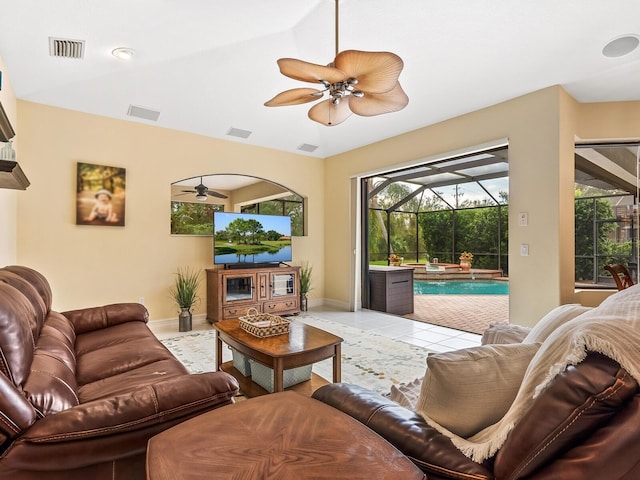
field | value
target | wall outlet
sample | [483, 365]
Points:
[141, 300]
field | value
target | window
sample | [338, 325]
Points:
[606, 216]
[193, 218]
[291, 206]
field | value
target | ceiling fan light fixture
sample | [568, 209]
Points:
[201, 197]
[375, 73]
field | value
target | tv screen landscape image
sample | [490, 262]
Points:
[250, 238]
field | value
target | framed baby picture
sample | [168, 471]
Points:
[100, 195]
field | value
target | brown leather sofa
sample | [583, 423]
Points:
[586, 424]
[82, 392]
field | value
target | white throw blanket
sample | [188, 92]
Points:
[612, 329]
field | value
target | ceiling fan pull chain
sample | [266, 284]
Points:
[337, 23]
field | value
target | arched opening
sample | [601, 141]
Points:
[192, 206]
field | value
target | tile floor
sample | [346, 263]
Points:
[433, 337]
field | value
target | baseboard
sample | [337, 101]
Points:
[196, 320]
[336, 304]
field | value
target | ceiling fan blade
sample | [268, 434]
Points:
[309, 72]
[329, 114]
[188, 191]
[375, 104]
[213, 193]
[295, 96]
[376, 72]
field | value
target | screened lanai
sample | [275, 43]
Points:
[435, 212]
[441, 209]
[606, 210]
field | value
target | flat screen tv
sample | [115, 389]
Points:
[246, 238]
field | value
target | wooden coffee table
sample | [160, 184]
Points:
[303, 345]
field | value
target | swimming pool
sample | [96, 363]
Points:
[460, 287]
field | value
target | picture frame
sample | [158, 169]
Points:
[100, 195]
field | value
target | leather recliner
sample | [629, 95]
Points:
[82, 392]
[576, 414]
[584, 425]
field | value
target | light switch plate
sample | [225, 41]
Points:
[524, 250]
[523, 219]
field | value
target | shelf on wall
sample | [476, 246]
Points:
[11, 175]
[6, 130]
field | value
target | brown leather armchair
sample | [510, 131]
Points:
[81, 393]
[576, 413]
[584, 425]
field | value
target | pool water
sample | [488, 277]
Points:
[460, 287]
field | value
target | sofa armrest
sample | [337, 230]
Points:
[576, 404]
[406, 430]
[94, 318]
[119, 426]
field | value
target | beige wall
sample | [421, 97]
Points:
[9, 198]
[540, 128]
[94, 265]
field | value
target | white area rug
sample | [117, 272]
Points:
[373, 361]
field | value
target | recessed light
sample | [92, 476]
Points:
[618, 47]
[123, 53]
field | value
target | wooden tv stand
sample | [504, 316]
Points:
[231, 292]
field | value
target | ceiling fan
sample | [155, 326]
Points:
[364, 83]
[202, 192]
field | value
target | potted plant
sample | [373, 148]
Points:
[305, 284]
[185, 294]
[465, 260]
[395, 259]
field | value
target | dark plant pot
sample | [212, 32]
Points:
[184, 320]
[303, 302]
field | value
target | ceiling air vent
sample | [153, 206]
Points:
[305, 147]
[237, 132]
[65, 48]
[141, 112]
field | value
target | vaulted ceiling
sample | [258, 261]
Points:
[209, 66]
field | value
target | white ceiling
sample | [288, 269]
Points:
[209, 65]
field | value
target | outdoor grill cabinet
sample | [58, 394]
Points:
[232, 292]
[391, 289]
